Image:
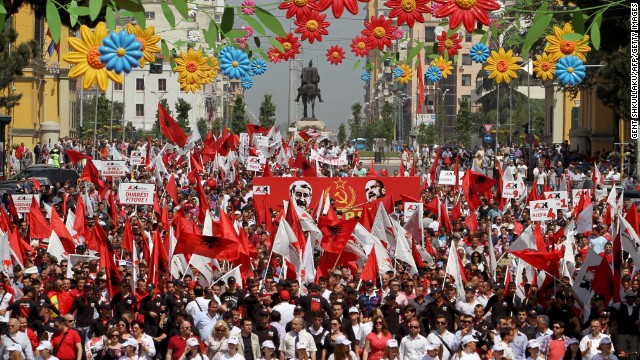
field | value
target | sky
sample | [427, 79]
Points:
[340, 85]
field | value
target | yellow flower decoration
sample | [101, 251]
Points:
[192, 70]
[502, 66]
[86, 58]
[545, 66]
[408, 74]
[148, 41]
[561, 47]
[213, 71]
[444, 66]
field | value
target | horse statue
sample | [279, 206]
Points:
[309, 92]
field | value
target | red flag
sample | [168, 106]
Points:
[267, 170]
[76, 156]
[172, 189]
[208, 148]
[456, 211]
[294, 221]
[542, 260]
[539, 238]
[603, 280]
[370, 271]
[335, 238]
[170, 128]
[434, 167]
[113, 209]
[5, 222]
[63, 233]
[433, 205]
[78, 224]
[533, 193]
[147, 157]
[107, 259]
[633, 218]
[474, 184]
[12, 210]
[444, 218]
[195, 164]
[420, 85]
[366, 219]
[253, 129]
[36, 183]
[39, 228]
[307, 168]
[372, 170]
[159, 259]
[412, 172]
[417, 257]
[91, 174]
[471, 222]
[223, 245]
[401, 172]
[127, 237]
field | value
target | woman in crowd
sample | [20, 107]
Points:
[124, 327]
[467, 350]
[606, 352]
[114, 349]
[146, 349]
[376, 342]
[216, 343]
[192, 351]
[573, 350]
[130, 350]
[391, 350]
[534, 350]
[268, 350]
[342, 350]
[232, 349]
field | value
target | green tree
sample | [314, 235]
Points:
[238, 121]
[156, 126]
[267, 111]
[182, 117]
[387, 114]
[342, 133]
[202, 126]
[464, 125]
[13, 59]
[355, 122]
[427, 134]
[106, 108]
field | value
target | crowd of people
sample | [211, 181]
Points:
[54, 308]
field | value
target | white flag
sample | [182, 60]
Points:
[235, 273]
[308, 224]
[369, 242]
[55, 247]
[5, 256]
[382, 228]
[205, 266]
[178, 266]
[582, 285]
[630, 241]
[71, 218]
[307, 262]
[453, 269]
[283, 244]
[585, 220]
[525, 241]
[403, 247]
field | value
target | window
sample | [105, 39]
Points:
[429, 35]
[162, 84]
[575, 117]
[466, 59]
[139, 109]
[466, 80]
[150, 15]
[140, 84]
[117, 87]
[468, 37]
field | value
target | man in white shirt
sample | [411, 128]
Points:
[285, 308]
[413, 346]
[17, 339]
[590, 343]
[443, 337]
[199, 304]
[297, 335]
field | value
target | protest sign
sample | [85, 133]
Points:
[136, 194]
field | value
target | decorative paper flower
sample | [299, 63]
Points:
[545, 66]
[365, 76]
[498, 13]
[338, 6]
[193, 9]
[86, 58]
[397, 72]
[558, 45]
[438, 30]
[502, 65]
[248, 30]
[248, 7]
[148, 40]
[335, 55]
[434, 7]
[246, 82]
[274, 55]
[495, 21]
[433, 73]
[479, 52]
[235, 63]
[450, 45]
[242, 42]
[399, 34]
[570, 70]
[359, 46]
[291, 47]
[120, 52]
[194, 35]
[298, 8]
[213, 70]
[258, 67]
[407, 74]
[466, 12]
[379, 32]
[444, 66]
[312, 27]
[192, 70]
[407, 11]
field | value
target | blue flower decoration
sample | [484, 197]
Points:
[120, 52]
[397, 72]
[234, 63]
[258, 67]
[434, 73]
[570, 70]
[480, 52]
[246, 82]
[365, 76]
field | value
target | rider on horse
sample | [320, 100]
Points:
[309, 76]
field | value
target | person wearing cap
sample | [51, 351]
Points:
[534, 350]
[342, 350]
[391, 351]
[17, 338]
[554, 346]
[628, 317]
[573, 350]
[498, 351]
[412, 346]
[268, 350]
[151, 307]
[130, 347]
[370, 299]
[467, 350]
[44, 350]
[84, 307]
[234, 294]
[605, 350]
[192, 350]
[589, 343]
[291, 341]
[285, 308]
[124, 300]
[178, 343]
[67, 344]
[264, 329]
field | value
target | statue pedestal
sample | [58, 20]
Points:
[310, 123]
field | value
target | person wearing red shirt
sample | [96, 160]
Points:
[60, 298]
[66, 342]
[178, 343]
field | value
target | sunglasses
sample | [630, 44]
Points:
[441, 323]
[379, 323]
[414, 327]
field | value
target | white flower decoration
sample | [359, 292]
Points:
[194, 36]
[438, 30]
[192, 9]
[498, 13]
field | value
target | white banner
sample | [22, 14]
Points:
[136, 194]
[447, 177]
[577, 193]
[511, 190]
[243, 148]
[262, 190]
[410, 208]
[111, 167]
[331, 160]
[256, 163]
[559, 199]
[261, 141]
[541, 210]
[137, 158]
[23, 202]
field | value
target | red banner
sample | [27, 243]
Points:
[349, 193]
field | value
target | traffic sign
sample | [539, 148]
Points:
[487, 127]
[488, 138]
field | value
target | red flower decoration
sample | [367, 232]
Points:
[291, 48]
[312, 27]
[337, 6]
[450, 45]
[379, 32]
[408, 11]
[466, 12]
[335, 55]
[274, 55]
[359, 46]
[299, 8]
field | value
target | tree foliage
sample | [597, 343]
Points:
[105, 107]
[464, 125]
[355, 121]
[202, 126]
[342, 133]
[381, 128]
[267, 111]
[182, 114]
[238, 121]
[13, 59]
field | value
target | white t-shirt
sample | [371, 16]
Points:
[4, 304]
[237, 356]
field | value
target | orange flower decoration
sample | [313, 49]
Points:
[359, 46]
[298, 8]
[312, 27]
[466, 12]
[409, 11]
[335, 55]
[379, 32]
[450, 45]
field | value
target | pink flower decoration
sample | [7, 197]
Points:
[242, 43]
[248, 29]
[247, 7]
[434, 6]
[492, 20]
[399, 34]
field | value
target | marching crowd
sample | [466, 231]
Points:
[51, 308]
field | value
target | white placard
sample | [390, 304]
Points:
[541, 210]
[262, 190]
[447, 177]
[577, 193]
[136, 194]
[22, 202]
[256, 163]
[137, 158]
[261, 141]
[511, 190]
[111, 167]
[559, 199]
[410, 208]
